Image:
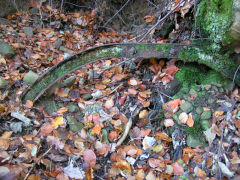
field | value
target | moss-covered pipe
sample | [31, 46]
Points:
[133, 50]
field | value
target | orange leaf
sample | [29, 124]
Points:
[190, 121]
[124, 165]
[171, 106]
[46, 129]
[58, 121]
[163, 136]
[62, 110]
[4, 143]
[218, 113]
[6, 135]
[97, 129]
[112, 135]
[29, 104]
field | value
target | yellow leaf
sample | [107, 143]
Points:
[62, 110]
[6, 135]
[58, 121]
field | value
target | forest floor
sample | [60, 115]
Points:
[153, 120]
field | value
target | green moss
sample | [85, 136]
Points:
[190, 75]
[215, 17]
[195, 130]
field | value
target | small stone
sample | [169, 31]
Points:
[183, 117]
[206, 115]
[3, 83]
[196, 117]
[192, 92]
[49, 104]
[16, 126]
[72, 108]
[30, 77]
[68, 82]
[211, 101]
[208, 87]
[28, 31]
[199, 110]
[186, 107]
[6, 49]
[74, 125]
[21, 117]
[87, 96]
[58, 43]
[205, 125]
[216, 84]
[194, 141]
[97, 94]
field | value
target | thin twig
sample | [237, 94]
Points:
[116, 13]
[161, 20]
[128, 127]
[234, 77]
[33, 165]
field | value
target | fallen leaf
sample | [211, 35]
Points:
[178, 169]
[171, 106]
[150, 176]
[97, 129]
[133, 82]
[62, 110]
[62, 176]
[140, 174]
[6, 134]
[124, 165]
[4, 144]
[153, 163]
[113, 135]
[109, 103]
[58, 121]
[168, 122]
[46, 129]
[183, 117]
[143, 114]
[29, 104]
[190, 121]
[113, 172]
[89, 157]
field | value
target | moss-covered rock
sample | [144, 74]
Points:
[6, 49]
[74, 125]
[30, 77]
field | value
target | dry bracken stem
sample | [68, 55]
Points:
[161, 20]
[128, 127]
[33, 165]
[116, 13]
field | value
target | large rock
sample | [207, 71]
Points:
[194, 141]
[10, 6]
[220, 20]
[6, 49]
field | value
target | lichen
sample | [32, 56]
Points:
[215, 18]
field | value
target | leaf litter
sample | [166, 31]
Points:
[119, 137]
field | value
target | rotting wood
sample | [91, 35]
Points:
[186, 53]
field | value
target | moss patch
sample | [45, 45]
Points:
[192, 75]
[215, 17]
